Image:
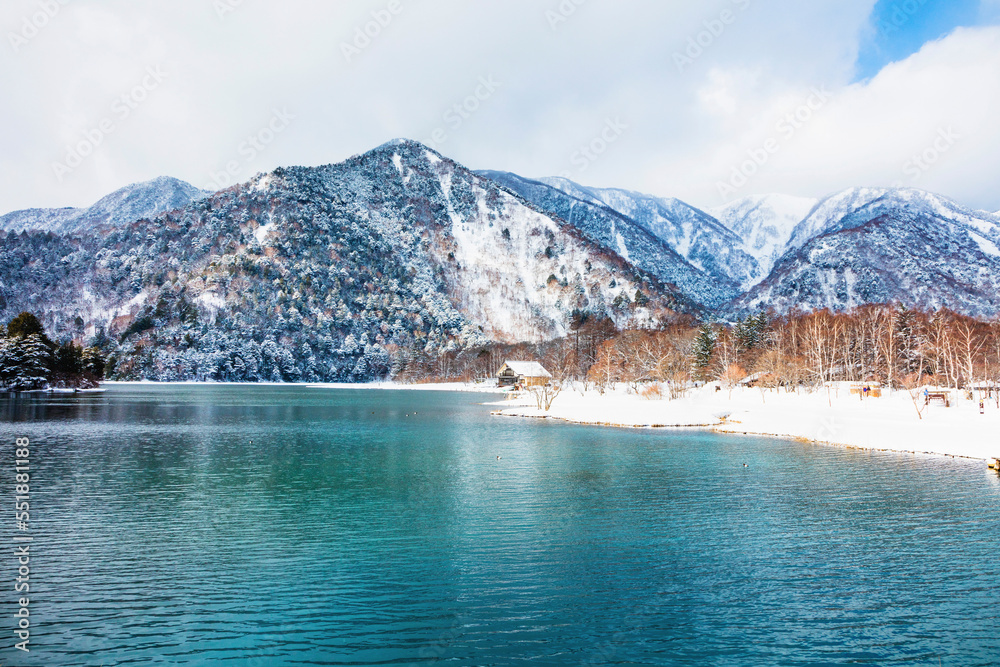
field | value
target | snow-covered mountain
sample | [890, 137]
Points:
[139, 200]
[694, 234]
[856, 206]
[346, 271]
[764, 223]
[700, 239]
[620, 234]
[358, 269]
[862, 245]
[867, 245]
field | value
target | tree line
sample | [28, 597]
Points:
[29, 360]
[890, 344]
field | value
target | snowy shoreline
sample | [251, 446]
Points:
[831, 416]
[472, 387]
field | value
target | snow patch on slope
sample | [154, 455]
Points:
[987, 246]
[263, 230]
[524, 282]
[831, 210]
[211, 300]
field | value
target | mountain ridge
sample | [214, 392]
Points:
[620, 234]
[348, 271]
[145, 199]
[484, 256]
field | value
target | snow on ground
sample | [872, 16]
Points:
[211, 300]
[833, 416]
[262, 231]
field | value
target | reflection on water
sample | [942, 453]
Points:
[269, 525]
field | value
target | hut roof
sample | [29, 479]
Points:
[531, 369]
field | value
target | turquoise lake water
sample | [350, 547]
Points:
[269, 525]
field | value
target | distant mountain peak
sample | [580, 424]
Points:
[706, 243]
[145, 199]
[881, 245]
[405, 147]
[399, 142]
[765, 224]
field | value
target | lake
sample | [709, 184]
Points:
[288, 525]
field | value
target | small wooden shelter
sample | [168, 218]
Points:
[761, 378]
[523, 374]
[871, 389]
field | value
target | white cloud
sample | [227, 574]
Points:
[559, 87]
[924, 122]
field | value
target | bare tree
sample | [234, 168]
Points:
[732, 376]
[545, 394]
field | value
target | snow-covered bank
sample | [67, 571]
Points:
[474, 387]
[832, 416]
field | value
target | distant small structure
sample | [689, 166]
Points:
[943, 396]
[523, 374]
[756, 379]
[871, 389]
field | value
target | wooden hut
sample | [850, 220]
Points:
[522, 374]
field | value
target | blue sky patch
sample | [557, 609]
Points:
[901, 27]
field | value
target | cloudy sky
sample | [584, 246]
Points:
[706, 101]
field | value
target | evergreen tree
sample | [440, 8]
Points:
[704, 347]
[8, 362]
[24, 325]
[32, 358]
[68, 360]
[93, 362]
[750, 333]
[26, 357]
[907, 341]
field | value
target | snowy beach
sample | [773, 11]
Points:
[828, 415]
